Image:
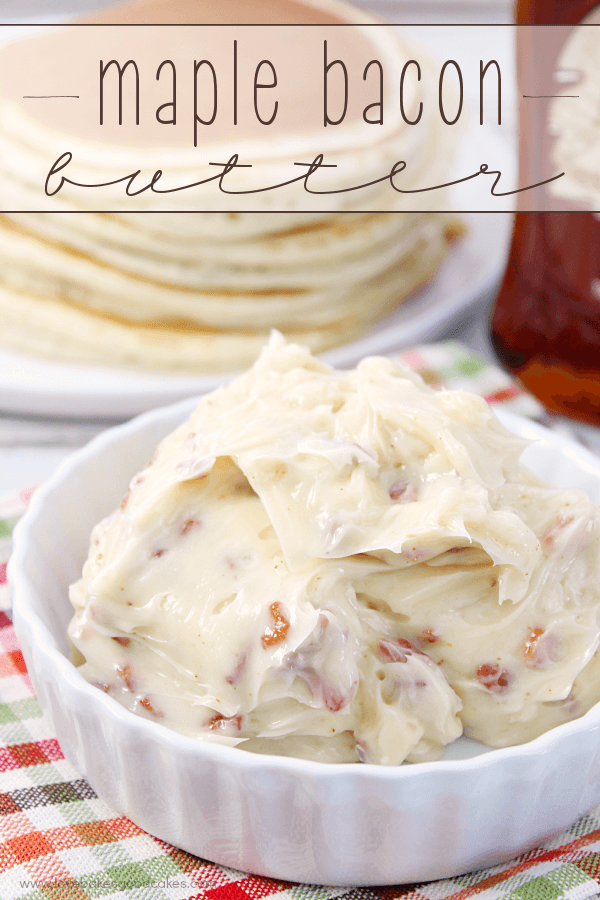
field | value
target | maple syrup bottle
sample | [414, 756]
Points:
[546, 321]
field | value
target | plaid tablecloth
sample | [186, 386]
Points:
[59, 841]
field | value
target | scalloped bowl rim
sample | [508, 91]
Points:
[21, 587]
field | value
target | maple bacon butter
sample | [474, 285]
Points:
[344, 566]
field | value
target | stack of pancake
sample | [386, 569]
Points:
[189, 291]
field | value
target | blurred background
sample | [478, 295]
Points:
[32, 444]
[409, 10]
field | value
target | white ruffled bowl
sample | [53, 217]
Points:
[284, 818]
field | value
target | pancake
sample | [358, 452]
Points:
[198, 291]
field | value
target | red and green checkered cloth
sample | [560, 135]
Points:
[58, 841]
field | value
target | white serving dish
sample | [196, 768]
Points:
[284, 818]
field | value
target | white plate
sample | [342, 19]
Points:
[469, 274]
[284, 818]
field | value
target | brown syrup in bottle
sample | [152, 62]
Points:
[546, 321]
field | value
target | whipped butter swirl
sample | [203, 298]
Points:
[344, 566]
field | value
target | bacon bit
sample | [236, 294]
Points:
[230, 563]
[147, 705]
[403, 492]
[123, 641]
[569, 704]
[158, 553]
[553, 531]
[102, 686]
[396, 651]
[335, 699]
[219, 722]
[398, 489]
[429, 635]
[529, 647]
[276, 631]
[539, 650]
[125, 499]
[415, 555]
[215, 721]
[408, 646]
[188, 525]
[124, 672]
[493, 678]
[238, 673]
